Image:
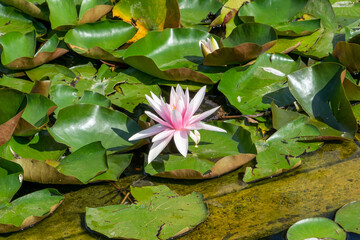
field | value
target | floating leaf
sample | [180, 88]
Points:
[50, 71]
[11, 108]
[19, 84]
[11, 177]
[281, 151]
[253, 89]
[29, 209]
[35, 116]
[41, 147]
[348, 217]
[151, 15]
[160, 213]
[172, 54]
[19, 50]
[85, 163]
[100, 40]
[81, 124]
[30, 8]
[14, 21]
[246, 42]
[298, 28]
[127, 90]
[271, 11]
[94, 98]
[319, 228]
[63, 96]
[196, 11]
[319, 91]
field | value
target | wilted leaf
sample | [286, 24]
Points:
[349, 55]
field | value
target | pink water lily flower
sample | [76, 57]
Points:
[176, 120]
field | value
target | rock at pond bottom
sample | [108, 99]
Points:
[327, 180]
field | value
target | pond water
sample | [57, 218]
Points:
[327, 179]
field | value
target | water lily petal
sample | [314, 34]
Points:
[148, 132]
[163, 134]
[195, 103]
[202, 116]
[181, 141]
[176, 119]
[173, 98]
[157, 148]
[202, 125]
[157, 119]
[157, 105]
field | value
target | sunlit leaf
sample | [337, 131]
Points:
[253, 89]
[348, 218]
[319, 228]
[172, 54]
[81, 124]
[150, 15]
[11, 177]
[100, 40]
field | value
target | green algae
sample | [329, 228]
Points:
[327, 180]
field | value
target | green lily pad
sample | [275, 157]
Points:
[63, 14]
[85, 163]
[117, 163]
[19, 84]
[160, 214]
[348, 217]
[81, 124]
[319, 91]
[50, 71]
[151, 15]
[11, 177]
[29, 209]
[63, 96]
[32, 8]
[196, 11]
[100, 40]
[281, 151]
[14, 21]
[319, 228]
[298, 28]
[127, 90]
[41, 147]
[35, 116]
[271, 11]
[253, 89]
[95, 98]
[172, 54]
[246, 42]
[11, 108]
[19, 50]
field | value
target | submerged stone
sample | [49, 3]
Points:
[327, 180]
